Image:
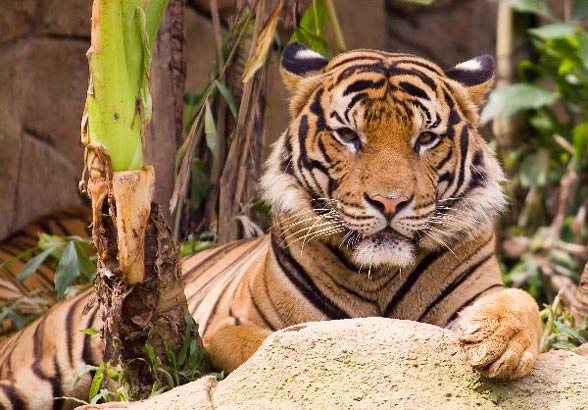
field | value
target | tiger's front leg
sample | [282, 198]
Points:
[500, 333]
[230, 345]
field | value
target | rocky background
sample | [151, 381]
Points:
[43, 80]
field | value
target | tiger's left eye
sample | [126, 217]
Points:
[347, 135]
[426, 138]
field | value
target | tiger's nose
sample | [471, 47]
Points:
[388, 205]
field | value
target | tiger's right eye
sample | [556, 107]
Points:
[347, 135]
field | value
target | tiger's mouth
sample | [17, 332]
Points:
[386, 247]
[389, 234]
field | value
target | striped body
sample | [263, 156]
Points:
[248, 281]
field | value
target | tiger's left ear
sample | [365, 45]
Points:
[299, 62]
[477, 75]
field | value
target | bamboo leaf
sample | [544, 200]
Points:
[228, 96]
[210, 130]
[264, 41]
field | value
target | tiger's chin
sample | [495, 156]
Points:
[389, 252]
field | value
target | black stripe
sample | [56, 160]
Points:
[455, 284]
[447, 157]
[302, 281]
[303, 161]
[266, 321]
[356, 58]
[342, 257]
[412, 278]
[69, 328]
[55, 380]
[413, 90]
[361, 85]
[421, 64]
[188, 276]
[12, 395]
[87, 354]
[317, 109]
[463, 145]
[396, 71]
[356, 98]
[471, 300]
[377, 67]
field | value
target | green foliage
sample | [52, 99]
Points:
[311, 31]
[553, 95]
[72, 255]
[186, 366]
[560, 329]
[206, 240]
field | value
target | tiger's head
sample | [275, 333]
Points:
[383, 154]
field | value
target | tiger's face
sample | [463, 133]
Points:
[383, 155]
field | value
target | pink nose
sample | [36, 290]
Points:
[388, 204]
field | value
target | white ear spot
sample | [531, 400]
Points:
[470, 65]
[307, 54]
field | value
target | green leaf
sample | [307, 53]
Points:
[532, 6]
[511, 99]
[534, 169]
[89, 331]
[87, 266]
[568, 331]
[96, 383]
[57, 243]
[228, 96]
[191, 247]
[34, 264]
[312, 41]
[67, 270]
[310, 32]
[555, 30]
[580, 9]
[210, 130]
[315, 18]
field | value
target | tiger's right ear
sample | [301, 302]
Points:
[299, 62]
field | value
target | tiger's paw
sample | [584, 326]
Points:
[500, 334]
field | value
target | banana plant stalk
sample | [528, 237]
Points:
[138, 285]
[118, 107]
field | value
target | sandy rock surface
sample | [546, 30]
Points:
[375, 363]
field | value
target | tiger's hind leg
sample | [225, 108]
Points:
[500, 333]
[230, 345]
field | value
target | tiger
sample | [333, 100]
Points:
[14, 254]
[384, 198]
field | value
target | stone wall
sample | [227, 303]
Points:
[43, 79]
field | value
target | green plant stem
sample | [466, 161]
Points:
[118, 101]
[332, 16]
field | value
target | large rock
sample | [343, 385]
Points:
[375, 363]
